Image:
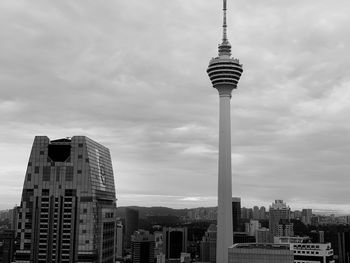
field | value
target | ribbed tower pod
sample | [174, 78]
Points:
[224, 73]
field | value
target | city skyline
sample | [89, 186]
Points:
[133, 75]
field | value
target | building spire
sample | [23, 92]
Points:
[224, 26]
[225, 46]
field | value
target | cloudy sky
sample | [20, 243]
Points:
[131, 74]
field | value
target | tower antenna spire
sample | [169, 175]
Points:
[224, 26]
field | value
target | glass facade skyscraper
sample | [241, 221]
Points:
[67, 211]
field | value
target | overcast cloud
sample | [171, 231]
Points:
[131, 75]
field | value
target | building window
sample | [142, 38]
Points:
[80, 156]
[29, 177]
[41, 152]
[36, 169]
[80, 145]
[46, 173]
[58, 173]
[69, 173]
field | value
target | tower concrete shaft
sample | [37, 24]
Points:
[224, 220]
[224, 73]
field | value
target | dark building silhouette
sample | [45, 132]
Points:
[142, 247]
[67, 211]
[7, 245]
[131, 224]
[236, 214]
[175, 241]
[344, 247]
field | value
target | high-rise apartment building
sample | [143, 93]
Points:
[236, 213]
[142, 247]
[279, 211]
[67, 211]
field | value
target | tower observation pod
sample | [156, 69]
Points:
[224, 72]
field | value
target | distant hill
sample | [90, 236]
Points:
[145, 212]
[153, 211]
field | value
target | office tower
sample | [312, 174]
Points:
[142, 247]
[306, 215]
[260, 253]
[278, 211]
[119, 240]
[224, 73]
[67, 211]
[263, 235]
[7, 245]
[175, 242]
[208, 245]
[131, 224]
[236, 213]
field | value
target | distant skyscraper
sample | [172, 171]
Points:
[256, 212]
[142, 247]
[208, 245]
[278, 210]
[175, 240]
[120, 241]
[306, 215]
[224, 73]
[262, 213]
[131, 224]
[67, 211]
[236, 213]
